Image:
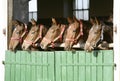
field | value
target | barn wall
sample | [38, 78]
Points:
[101, 7]
[54, 8]
[20, 10]
[58, 8]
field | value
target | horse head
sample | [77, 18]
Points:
[54, 33]
[19, 32]
[74, 32]
[95, 34]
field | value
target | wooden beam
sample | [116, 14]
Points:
[116, 20]
[10, 17]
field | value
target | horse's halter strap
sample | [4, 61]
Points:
[13, 38]
[101, 36]
[61, 33]
[28, 42]
[17, 38]
[80, 34]
[59, 37]
[98, 40]
[40, 34]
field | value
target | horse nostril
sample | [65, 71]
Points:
[23, 47]
[10, 49]
[41, 45]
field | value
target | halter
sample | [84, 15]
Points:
[39, 36]
[28, 42]
[80, 34]
[98, 40]
[58, 37]
[20, 38]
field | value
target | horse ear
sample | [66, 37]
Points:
[54, 21]
[92, 21]
[75, 19]
[70, 20]
[96, 21]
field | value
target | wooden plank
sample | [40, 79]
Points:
[58, 65]
[12, 54]
[39, 68]
[100, 68]
[88, 68]
[94, 56]
[76, 68]
[23, 65]
[7, 66]
[69, 66]
[108, 69]
[45, 67]
[82, 68]
[33, 67]
[18, 67]
[10, 16]
[63, 58]
[28, 67]
[51, 67]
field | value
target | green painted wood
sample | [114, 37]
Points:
[99, 68]
[83, 66]
[8, 75]
[59, 66]
[12, 57]
[23, 72]
[29, 66]
[82, 69]
[18, 66]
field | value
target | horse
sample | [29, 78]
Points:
[35, 34]
[77, 33]
[55, 32]
[71, 32]
[100, 35]
[18, 34]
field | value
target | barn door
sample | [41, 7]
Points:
[82, 66]
[26, 66]
[59, 66]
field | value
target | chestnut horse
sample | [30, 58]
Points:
[53, 35]
[77, 33]
[35, 34]
[72, 34]
[17, 35]
[100, 33]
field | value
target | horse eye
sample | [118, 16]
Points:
[95, 32]
[52, 31]
[32, 32]
[74, 30]
[17, 32]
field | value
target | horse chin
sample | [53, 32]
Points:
[68, 48]
[89, 48]
[44, 46]
[25, 47]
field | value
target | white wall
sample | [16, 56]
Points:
[116, 20]
[3, 41]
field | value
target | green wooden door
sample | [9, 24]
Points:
[59, 66]
[29, 66]
[83, 66]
